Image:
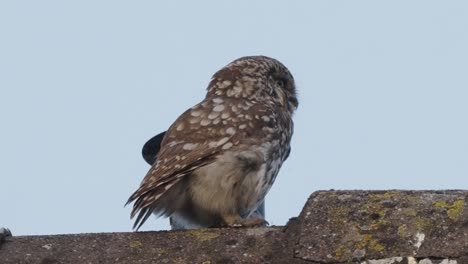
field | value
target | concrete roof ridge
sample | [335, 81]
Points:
[335, 226]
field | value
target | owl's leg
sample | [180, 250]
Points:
[259, 212]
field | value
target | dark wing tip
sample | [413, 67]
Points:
[133, 197]
[141, 208]
[143, 215]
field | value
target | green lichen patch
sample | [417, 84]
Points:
[203, 234]
[409, 212]
[454, 210]
[369, 243]
[403, 231]
[384, 195]
[423, 223]
[135, 244]
[373, 224]
[338, 214]
[341, 251]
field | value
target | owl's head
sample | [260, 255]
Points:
[257, 78]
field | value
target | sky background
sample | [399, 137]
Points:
[383, 91]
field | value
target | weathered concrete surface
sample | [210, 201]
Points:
[196, 246]
[336, 227]
[341, 226]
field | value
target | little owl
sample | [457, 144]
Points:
[218, 160]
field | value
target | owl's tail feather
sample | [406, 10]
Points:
[161, 201]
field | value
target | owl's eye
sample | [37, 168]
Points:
[281, 83]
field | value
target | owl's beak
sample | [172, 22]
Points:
[293, 102]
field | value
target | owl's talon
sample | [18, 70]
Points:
[237, 221]
[255, 222]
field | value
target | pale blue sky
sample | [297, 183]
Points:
[383, 91]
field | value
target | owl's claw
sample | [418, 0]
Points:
[237, 221]
[254, 222]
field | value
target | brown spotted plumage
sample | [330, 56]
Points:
[218, 160]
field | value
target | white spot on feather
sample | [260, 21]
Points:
[227, 145]
[213, 115]
[190, 146]
[218, 100]
[225, 115]
[244, 106]
[205, 122]
[180, 127]
[218, 108]
[224, 84]
[172, 143]
[268, 129]
[158, 196]
[194, 120]
[195, 113]
[222, 141]
[230, 131]
[218, 143]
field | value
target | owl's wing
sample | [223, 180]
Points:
[193, 141]
[174, 163]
